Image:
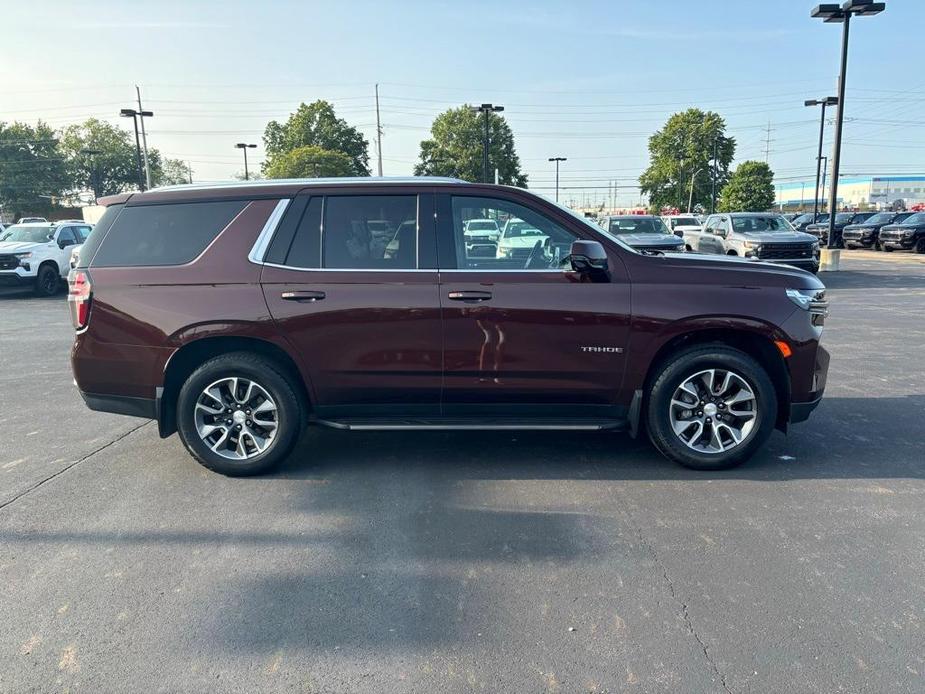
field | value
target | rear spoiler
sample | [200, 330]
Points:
[114, 199]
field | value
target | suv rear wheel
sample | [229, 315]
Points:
[237, 414]
[711, 407]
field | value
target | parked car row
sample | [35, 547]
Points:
[38, 255]
[887, 231]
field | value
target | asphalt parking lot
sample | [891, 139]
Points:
[527, 562]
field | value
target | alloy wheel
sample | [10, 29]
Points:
[713, 411]
[236, 418]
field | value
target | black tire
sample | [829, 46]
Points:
[876, 246]
[269, 376]
[920, 246]
[683, 365]
[887, 249]
[47, 281]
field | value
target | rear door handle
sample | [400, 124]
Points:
[470, 296]
[303, 296]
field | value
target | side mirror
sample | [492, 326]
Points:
[720, 232]
[588, 256]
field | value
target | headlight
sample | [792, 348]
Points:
[815, 246]
[908, 233]
[812, 300]
[23, 256]
[754, 245]
[503, 251]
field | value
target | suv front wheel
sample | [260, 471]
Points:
[238, 415]
[711, 407]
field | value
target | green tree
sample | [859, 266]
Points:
[316, 125]
[682, 149]
[310, 162]
[171, 172]
[455, 148]
[112, 168]
[750, 189]
[33, 173]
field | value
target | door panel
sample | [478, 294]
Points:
[371, 345]
[370, 335]
[528, 342]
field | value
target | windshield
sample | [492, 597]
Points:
[844, 217]
[519, 228]
[486, 225]
[918, 218]
[684, 222]
[760, 223]
[803, 219]
[637, 225]
[881, 218]
[27, 234]
[593, 227]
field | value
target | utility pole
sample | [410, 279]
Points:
[189, 169]
[378, 132]
[767, 144]
[144, 138]
[485, 110]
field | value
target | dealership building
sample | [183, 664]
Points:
[855, 192]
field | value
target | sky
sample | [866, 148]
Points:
[589, 81]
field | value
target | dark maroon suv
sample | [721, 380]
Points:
[237, 314]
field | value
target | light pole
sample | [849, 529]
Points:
[94, 171]
[133, 114]
[485, 110]
[557, 160]
[831, 12]
[827, 101]
[243, 146]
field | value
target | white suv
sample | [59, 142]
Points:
[37, 255]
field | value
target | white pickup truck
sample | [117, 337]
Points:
[37, 255]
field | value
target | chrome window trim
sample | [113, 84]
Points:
[338, 269]
[259, 249]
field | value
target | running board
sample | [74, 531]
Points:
[473, 425]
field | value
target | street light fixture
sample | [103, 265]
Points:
[827, 101]
[243, 146]
[134, 115]
[557, 160]
[830, 12]
[485, 109]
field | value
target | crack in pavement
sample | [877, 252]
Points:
[60, 472]
[683, 611]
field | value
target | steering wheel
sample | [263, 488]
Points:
[536, 253]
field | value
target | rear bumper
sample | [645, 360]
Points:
[121, 404]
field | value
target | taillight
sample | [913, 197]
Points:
[79, 295]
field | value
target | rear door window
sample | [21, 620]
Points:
[370, 232]
[171, 234]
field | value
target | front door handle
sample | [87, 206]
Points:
[470, 296]
[303, 296]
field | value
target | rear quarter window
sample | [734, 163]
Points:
[92, 244]
[171, 234]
